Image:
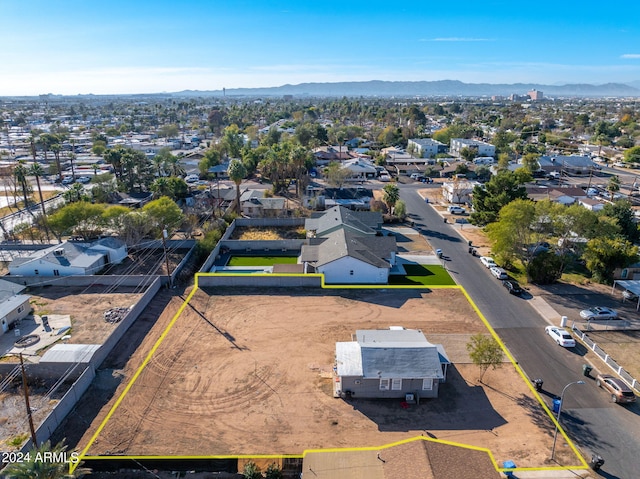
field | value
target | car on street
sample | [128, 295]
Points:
[560, 336]
[488, 262]
[620, 392]
[499, 272]
[598, 312]
[84, 180]
[456, 210]
[67, 180]
[513, 287]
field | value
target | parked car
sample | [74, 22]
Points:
[456, 210]
[83, 179]
[560, 336]
[487, 261]
[513, 287]
[499, 272]
[626, 294]
[384, 178]
[67, 180]
[620, 392]
[598, 312]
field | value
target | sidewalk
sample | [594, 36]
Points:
[557, 474]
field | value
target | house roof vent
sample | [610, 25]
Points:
[58, 252]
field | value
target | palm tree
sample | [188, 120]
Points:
[21, 173]
[237, 172]
[37, 171]
[57, 148]
[35, 468]
[391, 196]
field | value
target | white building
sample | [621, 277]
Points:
[458, 192]
[481, 148]
[71, 258]
[426, 147]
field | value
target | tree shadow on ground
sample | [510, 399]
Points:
[459, 406]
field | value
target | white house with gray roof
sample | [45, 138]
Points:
[348, 247]
[13, 305]
[71, 258]
[389, 363]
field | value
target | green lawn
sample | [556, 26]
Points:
[423, 274]
[261, 260]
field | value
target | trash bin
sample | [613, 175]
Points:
[596, 462]
[470, 243]
[586, 370]
[556, 405]
[509, 465]
[439, 253]
[470, 249]
[538, 384]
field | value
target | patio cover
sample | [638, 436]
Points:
[631, 286]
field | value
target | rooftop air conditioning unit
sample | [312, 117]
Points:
[58, 252]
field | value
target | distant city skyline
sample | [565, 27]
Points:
[122, 47]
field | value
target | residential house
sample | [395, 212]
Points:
[458, 191]
[260, 207]
[389, 363]
[70, 258]
[591, 204]
[360, 169]
[13, 305]
[426, 147]
[481, 148]
[326, 154]
[357, 198]
[422, 457]
[348, 247]
[574, 164]
[219, 171]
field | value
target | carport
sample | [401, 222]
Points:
[631, 286]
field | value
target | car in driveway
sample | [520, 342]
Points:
[499, 272]
[560, 336]
[620, 392]
[598, 312]
[488, 262]
[513, 287]
[456, 210]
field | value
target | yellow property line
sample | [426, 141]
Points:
[83, 455]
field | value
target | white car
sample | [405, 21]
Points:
[488, 262]
[456, 210]
[499, 272]
[560, 336]
[598, 312]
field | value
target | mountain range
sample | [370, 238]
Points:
[441, 88]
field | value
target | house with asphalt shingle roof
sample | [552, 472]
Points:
[389, 363]
[70, 258]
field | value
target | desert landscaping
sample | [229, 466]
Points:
[250, 372]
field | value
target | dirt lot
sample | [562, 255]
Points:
[250, 373]
[86, 306]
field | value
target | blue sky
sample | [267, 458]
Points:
[139, 46]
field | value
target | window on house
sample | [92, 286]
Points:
[56, 272]
[384, 384]
[396, 384]
[427, 384]
[351, 272]
[20, 309]
[624, 274]
[35, 271]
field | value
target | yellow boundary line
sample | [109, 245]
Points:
[83, 455]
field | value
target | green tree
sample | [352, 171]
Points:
[391, 195]
[513, 232]
[632, 155]
[163, 213]
[36, 468]
[336, 175]
[499, 191]
[232, 141]
[251, 471]
[603, 255]
[273, 472]
[623, 214]
[468, 154]
[613, 186]
[530, 162]
[237, 173]
[485, 352]
[400, 209]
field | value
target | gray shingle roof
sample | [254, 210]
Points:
[341, 243]
[367, 222]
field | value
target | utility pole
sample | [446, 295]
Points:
[26, 402]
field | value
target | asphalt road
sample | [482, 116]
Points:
[595, 424]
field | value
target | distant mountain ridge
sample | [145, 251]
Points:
[425, 88]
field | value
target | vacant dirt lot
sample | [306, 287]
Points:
[250, 373]
[86, 306]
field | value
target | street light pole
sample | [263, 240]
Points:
[555, 435]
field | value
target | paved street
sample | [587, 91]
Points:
[595, 424]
